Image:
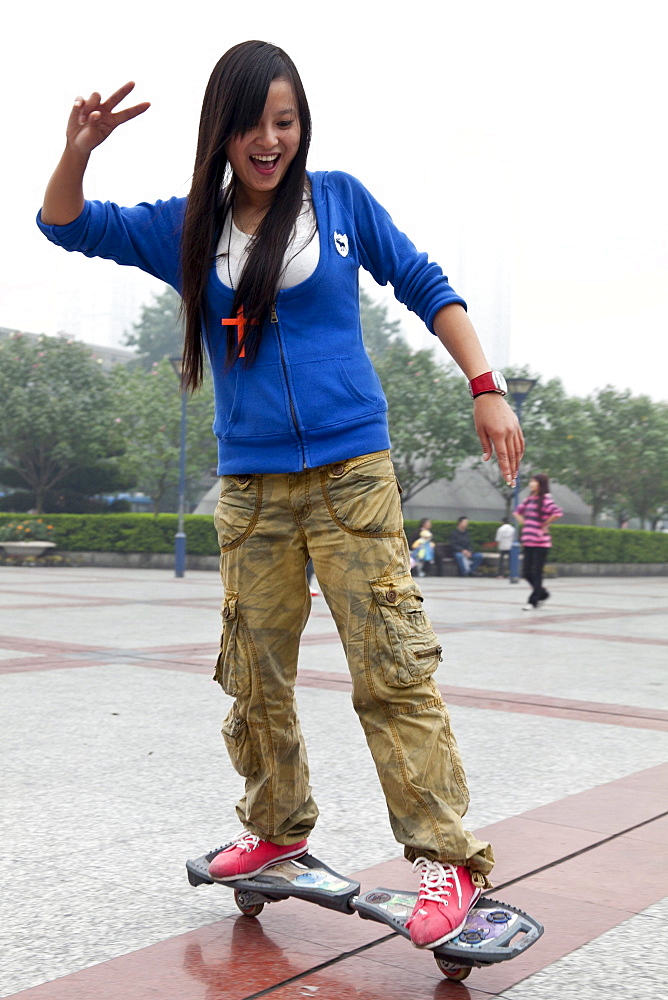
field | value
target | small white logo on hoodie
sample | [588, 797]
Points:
[341, 243]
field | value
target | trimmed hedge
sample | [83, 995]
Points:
[130, 532]
[572, 543]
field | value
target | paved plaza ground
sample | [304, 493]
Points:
[114, 772]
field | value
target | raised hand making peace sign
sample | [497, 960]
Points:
[89, 124]
[92, 121]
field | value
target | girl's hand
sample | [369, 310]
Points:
[499, 430]
[92, 121]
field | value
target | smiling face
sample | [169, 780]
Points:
[261, 156]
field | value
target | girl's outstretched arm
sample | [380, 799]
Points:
[497, 426]
[89, 124]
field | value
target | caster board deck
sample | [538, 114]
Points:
[494, 931]
[304, 878]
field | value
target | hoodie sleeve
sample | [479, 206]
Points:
[389, 256]
[145, 236]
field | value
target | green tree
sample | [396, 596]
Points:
[379, 332]
[618, 458]
[644, 443]
[546, 424]
[429, 408]
[151, 423]
[158, 334]
[57, 416]
[431, 425]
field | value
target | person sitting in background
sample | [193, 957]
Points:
[504, 538]
[462, 548]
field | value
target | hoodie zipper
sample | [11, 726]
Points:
[274, 319]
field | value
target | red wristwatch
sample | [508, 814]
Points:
[489, 382]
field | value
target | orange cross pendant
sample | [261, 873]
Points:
[240, 322]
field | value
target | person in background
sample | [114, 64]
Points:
[422, 547]
[535, 515]
[462, 548]
[505, 536]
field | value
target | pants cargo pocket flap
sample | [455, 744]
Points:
[225, 672]
[393, 592]
[239, 744]
[412, 650]
[229, 608]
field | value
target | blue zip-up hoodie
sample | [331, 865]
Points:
[312, 396]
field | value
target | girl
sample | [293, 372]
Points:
[535, 515]
[266, 258]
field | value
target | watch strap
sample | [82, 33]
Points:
[487, 382]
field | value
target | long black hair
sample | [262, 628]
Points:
[543, 489]
[233, 104]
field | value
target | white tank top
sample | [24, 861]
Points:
[301, 256]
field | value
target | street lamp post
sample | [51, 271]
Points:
[519, 389]
[180, 536]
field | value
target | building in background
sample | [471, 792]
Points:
[469, 493]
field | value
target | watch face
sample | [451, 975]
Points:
[499, 381]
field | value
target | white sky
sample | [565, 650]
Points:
[523, 132]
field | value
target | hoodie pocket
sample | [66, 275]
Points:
[327, 393]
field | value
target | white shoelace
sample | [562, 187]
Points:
[437, 880]
[248, 841]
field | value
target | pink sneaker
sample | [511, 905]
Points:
[437, 916]
[247, 856]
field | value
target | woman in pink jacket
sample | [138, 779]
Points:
[535, 515]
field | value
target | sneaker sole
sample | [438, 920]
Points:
[245, 875]
[451, 934]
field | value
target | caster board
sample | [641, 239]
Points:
[493, 932]
[303, 878]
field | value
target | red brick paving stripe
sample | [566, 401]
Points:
[28, 645]
[508, 701]
[198, 658]
[576, 898]
[591, 636]
[610, 715]
[28, 665]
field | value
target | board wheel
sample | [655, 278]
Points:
[248, 909]
[453, 972]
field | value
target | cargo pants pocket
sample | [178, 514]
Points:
[362, 496]
[226, 664]
[408, 648]
[239, 745]
[238, 510]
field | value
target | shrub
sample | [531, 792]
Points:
[28, 530]
[146, 533]
[130, 532]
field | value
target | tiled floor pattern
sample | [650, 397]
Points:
[297, 950]
[34, 655]
[594, 867]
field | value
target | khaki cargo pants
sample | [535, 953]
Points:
[347, 517]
